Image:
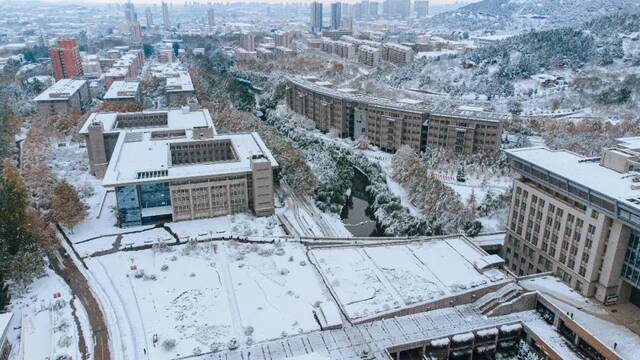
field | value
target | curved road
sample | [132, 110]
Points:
[66, 268]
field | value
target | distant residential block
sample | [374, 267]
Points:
[63, 96]
[179, 89]
[65, 59]
[368, 56]
[124, 91]
[396, 53]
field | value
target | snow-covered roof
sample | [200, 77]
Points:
[123, 89]
[116, 71]
[442, 108]
[629, 143]
[489, 239]
[179, 83]
[595, 318]
[422, 272]
[61, 90]
[164, 70]
[146, 154]
[580, 171]
[176, 119]
[397, 46]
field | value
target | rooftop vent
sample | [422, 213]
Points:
[150, 174]
[133, 137]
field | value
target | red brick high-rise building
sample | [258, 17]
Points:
[65, 59]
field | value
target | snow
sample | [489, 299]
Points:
[48, 327]
[510, 328]
[61, 90]
[176, 119]
[5, 320]
[552, 338]
[155, 155]
[329, 315]
[555, 288]
[311, 356]
[384, 160]
[606, 331]
[574, 168]
[440, 342]
[210, 294]
[488, 332]
[99, 234]
[369, 280]
[461, 338]
[433, 54]
[593, 317]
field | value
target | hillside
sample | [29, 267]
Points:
[590, 69]
[517, 15]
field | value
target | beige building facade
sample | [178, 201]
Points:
[576, 217]
[391, 124]
[396, 53]
[64, 96]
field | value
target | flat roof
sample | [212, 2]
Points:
[179, 83]
[116, 71]
[586, 172]
[397, 46]
[61, 90]
[147, 154]
[369, 281]
[443, 108]
[165, 70]
[629, 143]
[489, 239]
[598, 320]
[176, 119]
[122, 89]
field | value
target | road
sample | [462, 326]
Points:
[66, 269]
[300, 207]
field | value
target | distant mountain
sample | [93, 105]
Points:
[527, 14]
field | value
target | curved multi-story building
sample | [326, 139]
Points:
[390, 124]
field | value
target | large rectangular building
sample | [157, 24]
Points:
[579, 218]
[101, 130]
[124, 91]
[368, 55]
[63, 96]
[172, 166]
[65, 59]
[389, 124]
[179, 89]
[316, 17]
[396, 53]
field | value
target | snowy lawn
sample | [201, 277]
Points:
[98, 232]
[200, 297]
[48, 326]
[374, 279]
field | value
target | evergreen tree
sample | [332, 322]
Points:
[472, 205]
[176, 48]
[4, 293]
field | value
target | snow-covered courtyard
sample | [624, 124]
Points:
[198, 298]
